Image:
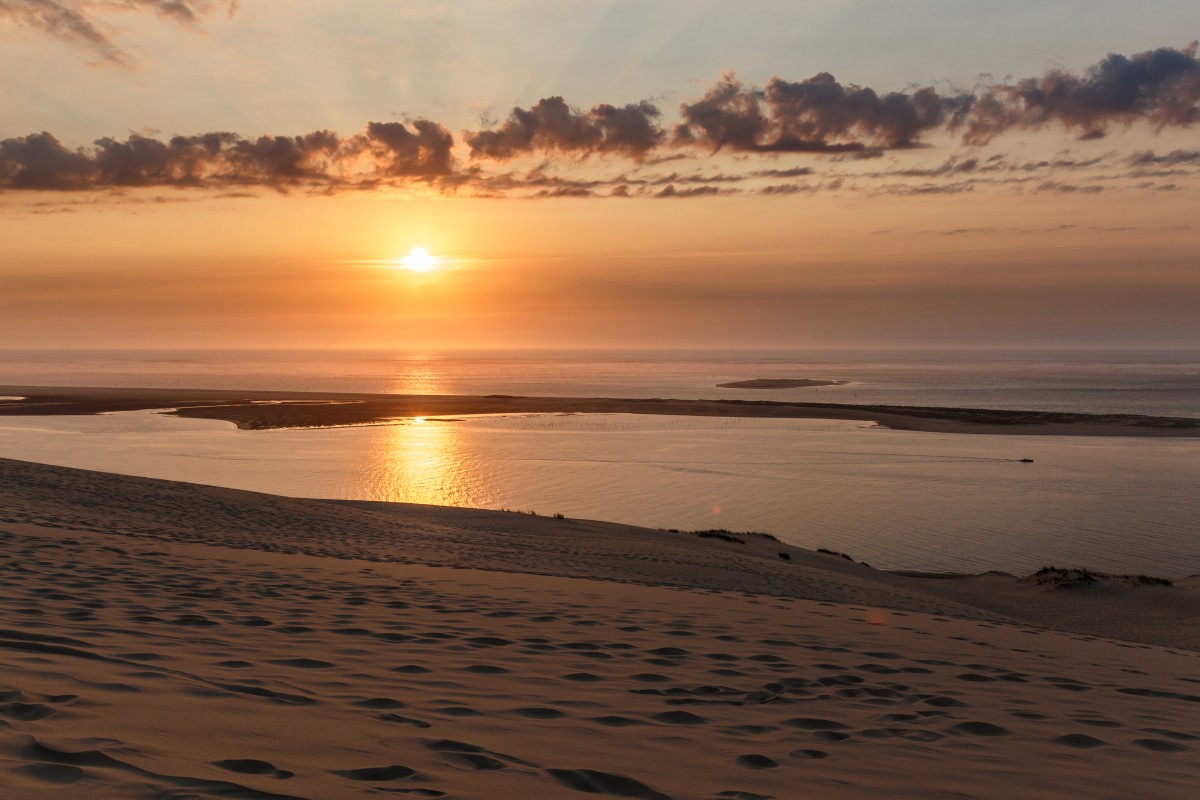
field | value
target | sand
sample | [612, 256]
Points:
[262, 410]
[166, 640]
[780, 383]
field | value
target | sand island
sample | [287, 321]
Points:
[779, 383]
[257, 410]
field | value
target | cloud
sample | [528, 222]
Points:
[669, 191]
[552, 125]
[1173, 158]
[423, 152]
[385, 153]
[786, 188]
[1058, 187]
[1161, 87]
[817, 115]
[75, 21]
[65, 22]
[821, 115]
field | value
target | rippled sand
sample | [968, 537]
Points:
[167, 639]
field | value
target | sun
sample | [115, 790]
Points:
[419, 259]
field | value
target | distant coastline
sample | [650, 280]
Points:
[779, 383]
[258, 410]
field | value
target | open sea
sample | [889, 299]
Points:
[896, 499]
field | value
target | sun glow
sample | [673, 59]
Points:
[419, 259]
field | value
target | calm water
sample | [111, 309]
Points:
[896, 499]
[1161, 383]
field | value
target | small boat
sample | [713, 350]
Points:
[1026, 460]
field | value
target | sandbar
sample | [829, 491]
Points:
[779, 383]
[256, 410]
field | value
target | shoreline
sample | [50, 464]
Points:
[259, 410]
[502, 540]
[782, 383]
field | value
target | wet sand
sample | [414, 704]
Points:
[779, 383]
[263, 409]
[167, 639]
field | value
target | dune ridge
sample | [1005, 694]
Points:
[174, 640]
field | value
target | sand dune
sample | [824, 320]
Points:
[169, 640]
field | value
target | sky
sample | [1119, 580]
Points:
[609, 173]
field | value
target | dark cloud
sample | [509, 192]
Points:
[1058, 187]
[817, 115]
[565, 191]
[74, 21]
[1160, 86]
[786, 188]
[1173, 158]
[423, 152]
[821, 115]
[906, 190]
[552, 125]
[64, 21]
[386, 153]
[669, 191]
[951, 166]
[791, 172]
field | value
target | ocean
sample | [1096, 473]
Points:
[896, 499]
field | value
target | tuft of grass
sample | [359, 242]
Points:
[738, 537]
[1059, 578]
[723, 535]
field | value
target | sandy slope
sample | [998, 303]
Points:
[161, 640]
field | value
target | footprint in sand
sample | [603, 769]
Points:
[978, 729]
[650, 677]
[593, 782]
[488, 641]
[253, 766]
[396, 718]
[1159, 745]
[458, 711]
[472, 756]
[26, 712]
[808, 754]
[614, 721]
[539, 713]
[487, 669]
[58, 774]
[814, 724]
[1080, 741]
[393, 772]
[380, 703]
[679, 718]
[302, 663]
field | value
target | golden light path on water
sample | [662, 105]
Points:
[417, 462]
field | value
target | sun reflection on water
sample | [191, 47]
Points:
[415, 376]
[419, 461]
